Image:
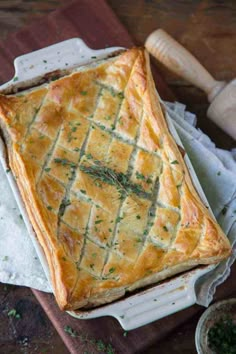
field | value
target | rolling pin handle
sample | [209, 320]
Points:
[180, 61]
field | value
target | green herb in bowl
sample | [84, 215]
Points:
[222, 336]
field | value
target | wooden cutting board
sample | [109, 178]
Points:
[97, 25]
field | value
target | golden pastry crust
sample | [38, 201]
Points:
[104, 184]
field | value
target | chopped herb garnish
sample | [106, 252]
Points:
[47, 169]
[138, 217]
[64, 162]
[83, 93]
[98, 222]
[93, 57]
[145, 232]
[45, 61]
[92, 266]
[94, 255]
[54, 77]
[97, 184]
[89, 156]
[70, 331]
[102, 127]
[140, 176]
[119, 218]
[15, 78]
[112, 269]
[64, 258]
[49, 207]
[121, 95]
[83, 191]
[113, 127]
[125, 334]
[77, 149]
[224, 210]
[175, 162]
[8, 170]
[65, 203]
[73, 129]
[21, 217]
[13, 313]
[41, 137]
[112, 92]
[218, 173]
[101, 347]
[110, 230]
[108, 118]
[165, 228]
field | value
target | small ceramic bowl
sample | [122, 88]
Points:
[211, 316]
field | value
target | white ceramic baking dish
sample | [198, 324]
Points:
[147, 305]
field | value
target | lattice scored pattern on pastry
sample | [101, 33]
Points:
[107, 179]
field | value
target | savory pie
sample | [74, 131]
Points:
[104, 183]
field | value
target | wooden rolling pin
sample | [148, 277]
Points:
[176, 58]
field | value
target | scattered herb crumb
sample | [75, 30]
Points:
[83, 93]
[175, 162]
[224, 210]
[70, 331]
[98, 221]
[15, 78]
[121, 95]
[13, 313]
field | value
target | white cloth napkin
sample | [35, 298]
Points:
[215, 168]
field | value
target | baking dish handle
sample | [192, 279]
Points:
[60, 56]
[151, 305]
[161, 301]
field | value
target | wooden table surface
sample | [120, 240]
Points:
[208, 29]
